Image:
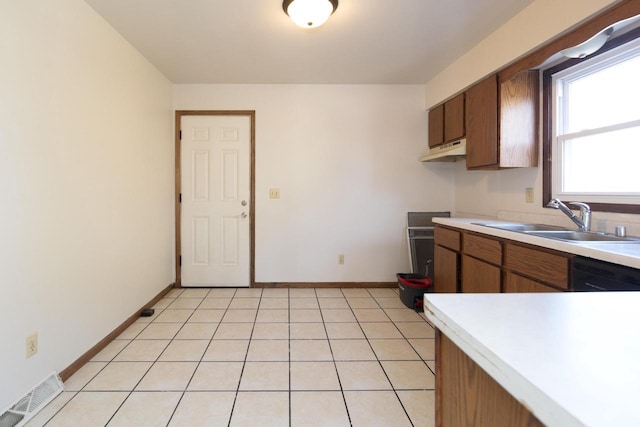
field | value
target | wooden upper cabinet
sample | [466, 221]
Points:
[454, 118]
[446, 121]
[519, 117]
[482, 124]
[502, 122]
[436, 126]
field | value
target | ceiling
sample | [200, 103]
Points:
[254, 41]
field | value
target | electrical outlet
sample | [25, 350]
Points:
[32, 344]
[528, 195]
[274, 193]
[341, 259]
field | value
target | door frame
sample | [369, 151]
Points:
[178, 185]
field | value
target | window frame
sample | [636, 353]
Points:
[547, 124]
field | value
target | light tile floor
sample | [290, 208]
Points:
[260, 357]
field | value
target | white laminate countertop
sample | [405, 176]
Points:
[573, 359]
[618, 253]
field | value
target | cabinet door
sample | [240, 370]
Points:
[482, 124]
[519, 120]
[516, 283]
[436, 126]
[454, 118]
[479, 276]
[446, 270]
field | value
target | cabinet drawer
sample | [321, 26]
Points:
[541, 266]
[516, 283]
[447, 238]
[482, 248]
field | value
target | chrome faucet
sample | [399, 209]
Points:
[583, 222]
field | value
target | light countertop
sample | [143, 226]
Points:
[573, 359]
[617, 253]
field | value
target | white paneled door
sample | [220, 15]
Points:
[215, 217]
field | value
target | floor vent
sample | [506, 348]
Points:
[18, 414]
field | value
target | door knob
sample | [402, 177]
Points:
[243, 203]
[243, 215]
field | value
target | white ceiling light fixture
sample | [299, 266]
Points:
[309, 13]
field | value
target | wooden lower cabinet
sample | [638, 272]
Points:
[467, 396]
[515, 283]
[549, 267]
[479, 276]
[446, 270]
[476, 263]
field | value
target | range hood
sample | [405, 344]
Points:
[449, 152]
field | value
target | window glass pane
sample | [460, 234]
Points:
[604, 163]
[603, 98]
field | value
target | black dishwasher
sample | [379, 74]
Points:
[594, 275]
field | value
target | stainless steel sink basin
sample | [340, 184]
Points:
[583, 237]
[523, 228]
[560, 233]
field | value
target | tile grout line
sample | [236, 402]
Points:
[289, 346]
[335, 366]
[393, 388]
[186, 387]
[244, 363]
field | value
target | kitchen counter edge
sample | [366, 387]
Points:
[627, 254]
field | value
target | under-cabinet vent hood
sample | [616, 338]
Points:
[449, 152]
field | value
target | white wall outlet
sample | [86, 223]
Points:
[274, 193]
[528, 195]
[32, 344]
[341, 259]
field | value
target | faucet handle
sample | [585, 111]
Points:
[585, 215]
[583, 206]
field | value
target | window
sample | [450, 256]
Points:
[593, 129]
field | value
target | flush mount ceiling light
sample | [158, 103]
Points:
[309, 13]
[590, 46]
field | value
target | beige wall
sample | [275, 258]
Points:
[345, 159]
[540, 22]
[86, 177]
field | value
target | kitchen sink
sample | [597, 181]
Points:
[583, 237]
[523, 228]
[560, 233]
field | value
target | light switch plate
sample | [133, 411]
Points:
[528, 195]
